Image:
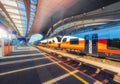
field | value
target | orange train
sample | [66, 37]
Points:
[102, 43]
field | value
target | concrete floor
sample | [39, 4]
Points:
[27, 65]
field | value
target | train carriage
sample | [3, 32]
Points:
[72, 43]
[103, 42]
[53, 42]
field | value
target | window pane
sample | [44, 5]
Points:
[64, 40]
[74, 41]
[113, 44]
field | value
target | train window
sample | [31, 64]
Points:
[86, 39]
[64, 40]
[49, 42]
[74, 41]
[59, 39]
[113, 44]
[94, 39]
[53, 41]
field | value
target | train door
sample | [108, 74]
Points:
[87, 43]
[91, 43]
[94, 44]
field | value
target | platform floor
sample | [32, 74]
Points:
[28, 65]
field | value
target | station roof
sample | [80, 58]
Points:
[37, 16]
[21, 12]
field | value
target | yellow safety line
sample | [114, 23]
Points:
[70, 72]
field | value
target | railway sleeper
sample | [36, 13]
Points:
[88, 69]
[64, 58]
[68, 61]
[83, 67]
[59, 56]
[91, 71]
[105, 77]
[74, 63]
[54, 54]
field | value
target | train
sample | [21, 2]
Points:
[101, 43]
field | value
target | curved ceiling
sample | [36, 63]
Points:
[19, 14]
[51, 11]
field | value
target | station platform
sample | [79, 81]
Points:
[28, 65]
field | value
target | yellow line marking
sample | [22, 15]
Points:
[70, 72]
[54, 80]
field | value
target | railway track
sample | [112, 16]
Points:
[98, 73]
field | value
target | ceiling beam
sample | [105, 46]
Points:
[27, 6]
[20, 23]
[18, 19]
[13, 7]
[16, 14]
[20, 28]
[5, 11]
[14, 0]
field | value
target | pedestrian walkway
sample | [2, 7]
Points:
[28, 65]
